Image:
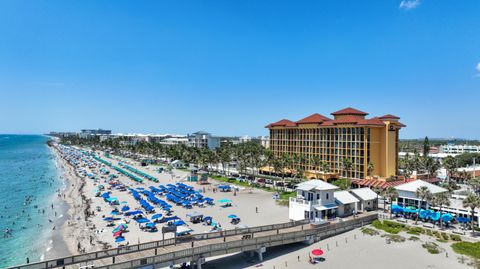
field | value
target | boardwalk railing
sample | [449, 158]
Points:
[61, 262]
[245, 244]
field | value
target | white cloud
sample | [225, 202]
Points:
[478, 67]
[409, 4]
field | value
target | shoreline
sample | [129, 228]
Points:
[75, 231]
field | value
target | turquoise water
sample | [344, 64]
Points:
[29, 180]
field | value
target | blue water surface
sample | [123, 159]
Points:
[29, 180]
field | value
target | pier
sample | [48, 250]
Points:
[196, 248]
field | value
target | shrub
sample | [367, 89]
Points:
[369, 231]
[388, 226]
[414, 238]
[467, 248]
[431, 247]
[415, 230]
[445, 236]
[395, 237]
[455, 237]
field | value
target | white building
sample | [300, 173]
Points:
[315, 201]
[459, 149]
[346, 202]
[367, 199]
[407, 192]
[203, 139]
[177, 164]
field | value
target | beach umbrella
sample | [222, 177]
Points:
[157, 216]
[150, 224]
[232, 216]
[125, 208]
[117, 233]
[108, 219]
[317, 252]
[119, 239]
[123, 203]
[224, 201]
[114, 212]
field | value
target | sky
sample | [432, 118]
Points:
[232, 67]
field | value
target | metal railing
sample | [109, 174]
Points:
[271, 240]
[64, 261]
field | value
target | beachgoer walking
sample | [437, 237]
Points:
[256, 209]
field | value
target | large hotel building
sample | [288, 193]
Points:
[370, 144]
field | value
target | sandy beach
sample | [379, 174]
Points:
[89, 233]
[353, 249]
[349, 250]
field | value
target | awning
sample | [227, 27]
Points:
[325, 207]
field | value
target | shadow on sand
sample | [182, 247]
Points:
[242, 260]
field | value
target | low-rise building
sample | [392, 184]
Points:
[368, 199]
[177, 164]
[459, 149]
[346, 202]
[407, 193]
[315, 201]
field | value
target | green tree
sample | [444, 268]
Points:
[472, 201]
[370, 169]
[441, 200]
[426, 147]
[316, 162]
[347, 166]
[424, 194]
[392, 194]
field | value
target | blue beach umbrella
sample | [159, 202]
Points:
[119, 239]
[232, 216]
[224, 201]
[125, 208]
[108, 219]
[150, 225]
[157, 216]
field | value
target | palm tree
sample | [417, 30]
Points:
[474, 183]
[392, 194]
[451, 164]
[380, 192]
[472, 201]
[325, 168]
[316, 162]
[424, 194]
[370, 168]
[441, 199]
[347, 166]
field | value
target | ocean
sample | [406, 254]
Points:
[30, 210]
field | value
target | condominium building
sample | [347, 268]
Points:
[369, 144]
[459, 149]
[203, 139]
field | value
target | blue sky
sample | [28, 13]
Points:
[231, 67]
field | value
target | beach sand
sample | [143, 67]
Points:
[354, 250]
[89, 234]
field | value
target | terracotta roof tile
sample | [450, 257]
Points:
[349, 111]
[314, 118]
[284, 122]
[389, 116]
